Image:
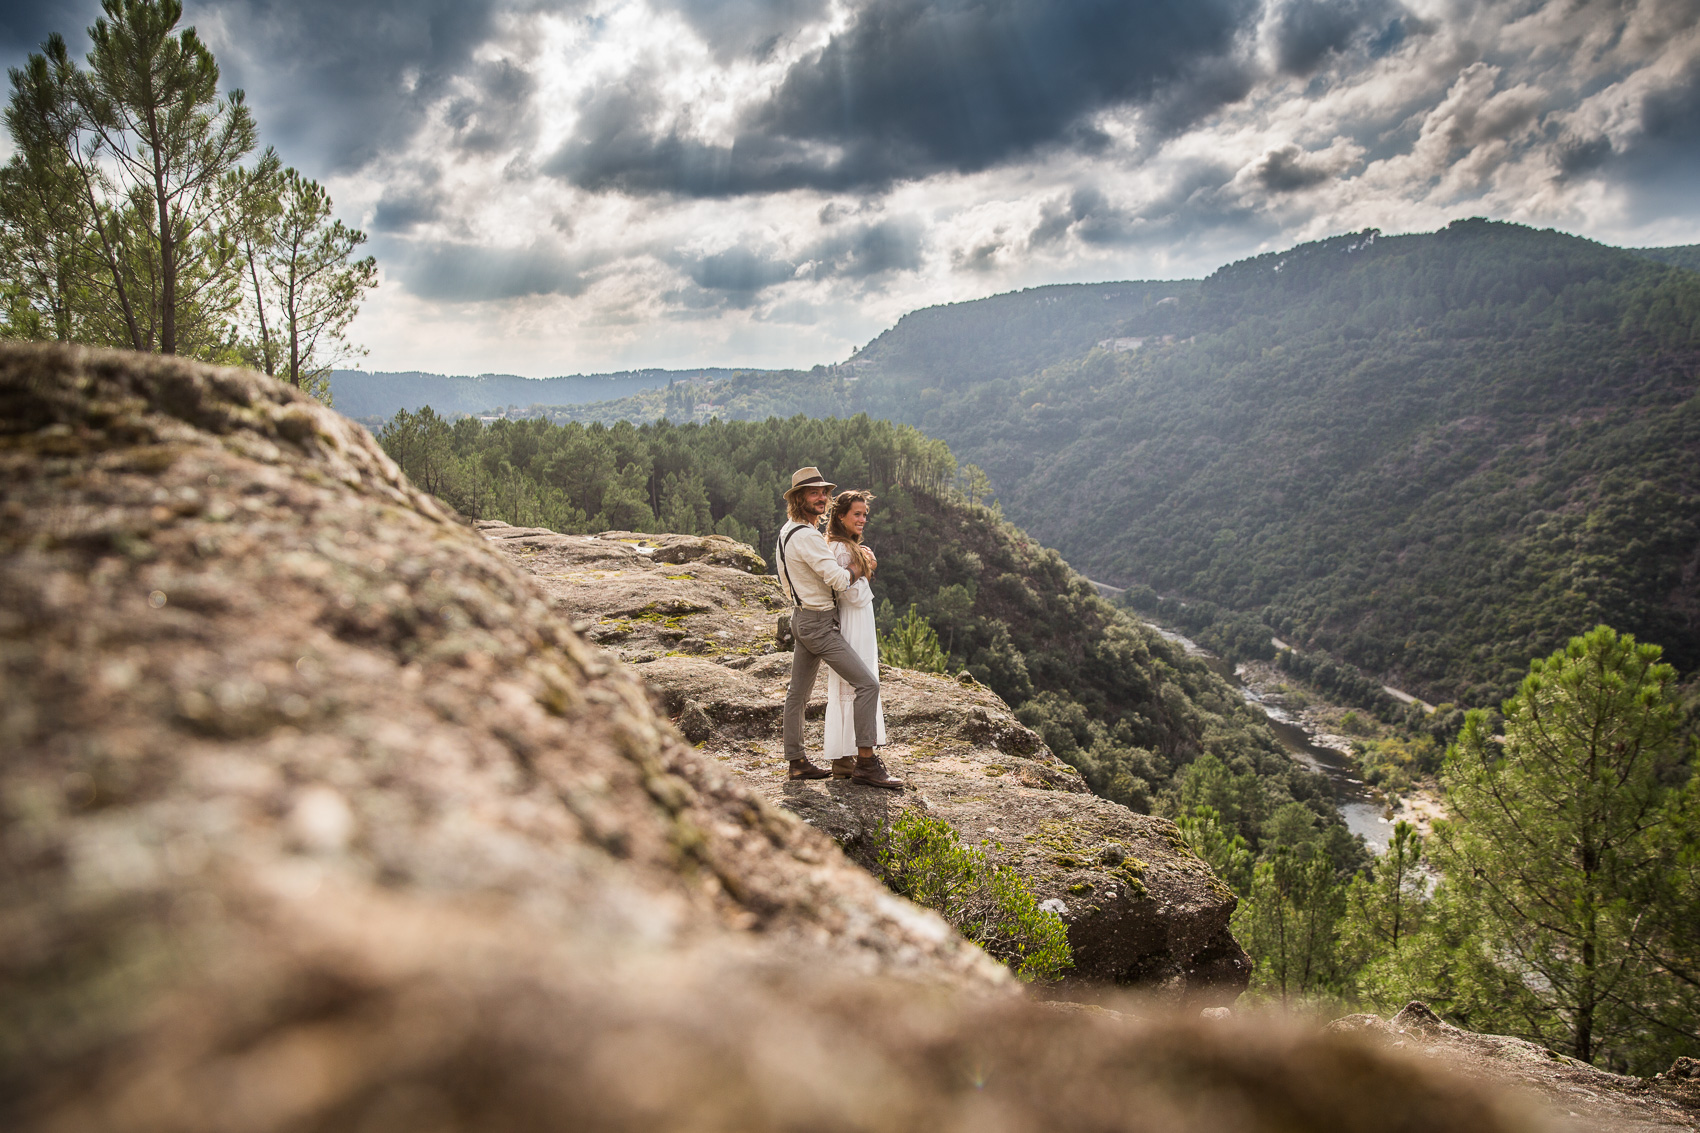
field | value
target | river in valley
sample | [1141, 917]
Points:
[1358, 806]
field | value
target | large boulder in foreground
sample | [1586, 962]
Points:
[695, 615]
[313, 816]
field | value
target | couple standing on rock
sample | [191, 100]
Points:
[832, 620]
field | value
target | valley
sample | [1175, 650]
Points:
[1429, 456]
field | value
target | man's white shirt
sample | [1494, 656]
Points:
[812, 567]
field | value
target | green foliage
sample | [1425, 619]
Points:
[1559, 838]
[1385, 909]
[1434, 456]
[303, 288]
[1288, 921]
[1236, 636]
[1340, 681]
[911, 643]
[1557, 903]
[1014, 334]
[1682, 255]
[922, 859]
[127, 217]
[1395, 762]
[1215, 842]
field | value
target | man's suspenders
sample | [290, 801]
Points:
[784, 566]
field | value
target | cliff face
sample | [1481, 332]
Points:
[696, 615]
[315, 815]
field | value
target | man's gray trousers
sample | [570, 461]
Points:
[818, 640]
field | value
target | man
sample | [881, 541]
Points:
[813, 579]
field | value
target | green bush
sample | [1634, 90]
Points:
[913, 644]
[922, 859]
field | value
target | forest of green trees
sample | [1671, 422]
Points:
[1558, 901]
[1434, 456]
[135, 213]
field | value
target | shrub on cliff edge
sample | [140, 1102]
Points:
[922, 859]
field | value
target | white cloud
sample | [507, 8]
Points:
[1291, 119]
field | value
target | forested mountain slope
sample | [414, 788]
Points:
[1437, 455]
[935, 348]
[1680, 255]
[1008, 335]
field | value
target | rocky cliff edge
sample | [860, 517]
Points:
[695, 616]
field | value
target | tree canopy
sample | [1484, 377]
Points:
[134, 208]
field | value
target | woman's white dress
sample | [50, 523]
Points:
[856, 623]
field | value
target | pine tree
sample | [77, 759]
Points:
[1288, 922]
[128, 217]
[1385, 909]
[1557, 836]
[304, 289]
[912, 644]
[158, 146]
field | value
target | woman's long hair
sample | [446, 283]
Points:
[836, 532]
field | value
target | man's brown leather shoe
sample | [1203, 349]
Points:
[843, 768]
[871, 772]
[803, 769]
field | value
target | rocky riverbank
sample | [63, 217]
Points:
[1331, 726]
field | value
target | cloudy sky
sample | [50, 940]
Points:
[554, 186]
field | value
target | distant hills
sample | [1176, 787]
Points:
[1434, 455]
[1001, 337]
[1682, 256]
[361, 394]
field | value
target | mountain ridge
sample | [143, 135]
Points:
[1356, 407]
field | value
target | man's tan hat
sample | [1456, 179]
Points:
[809, 477]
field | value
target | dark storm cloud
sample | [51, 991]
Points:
[458, 272]
[345, 81]
[865, 250]
[1671, 117]
[738, 269]
[1289, 168]
[913, 88]
[498, 114]
[1204, 89]
[23, 26]
[1196, 200]
[1659, 166]
[401, 209]
[1660, 157]
[856, 252]
[1577, 156]
[1307, 31]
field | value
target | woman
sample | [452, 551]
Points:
[846, 519]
